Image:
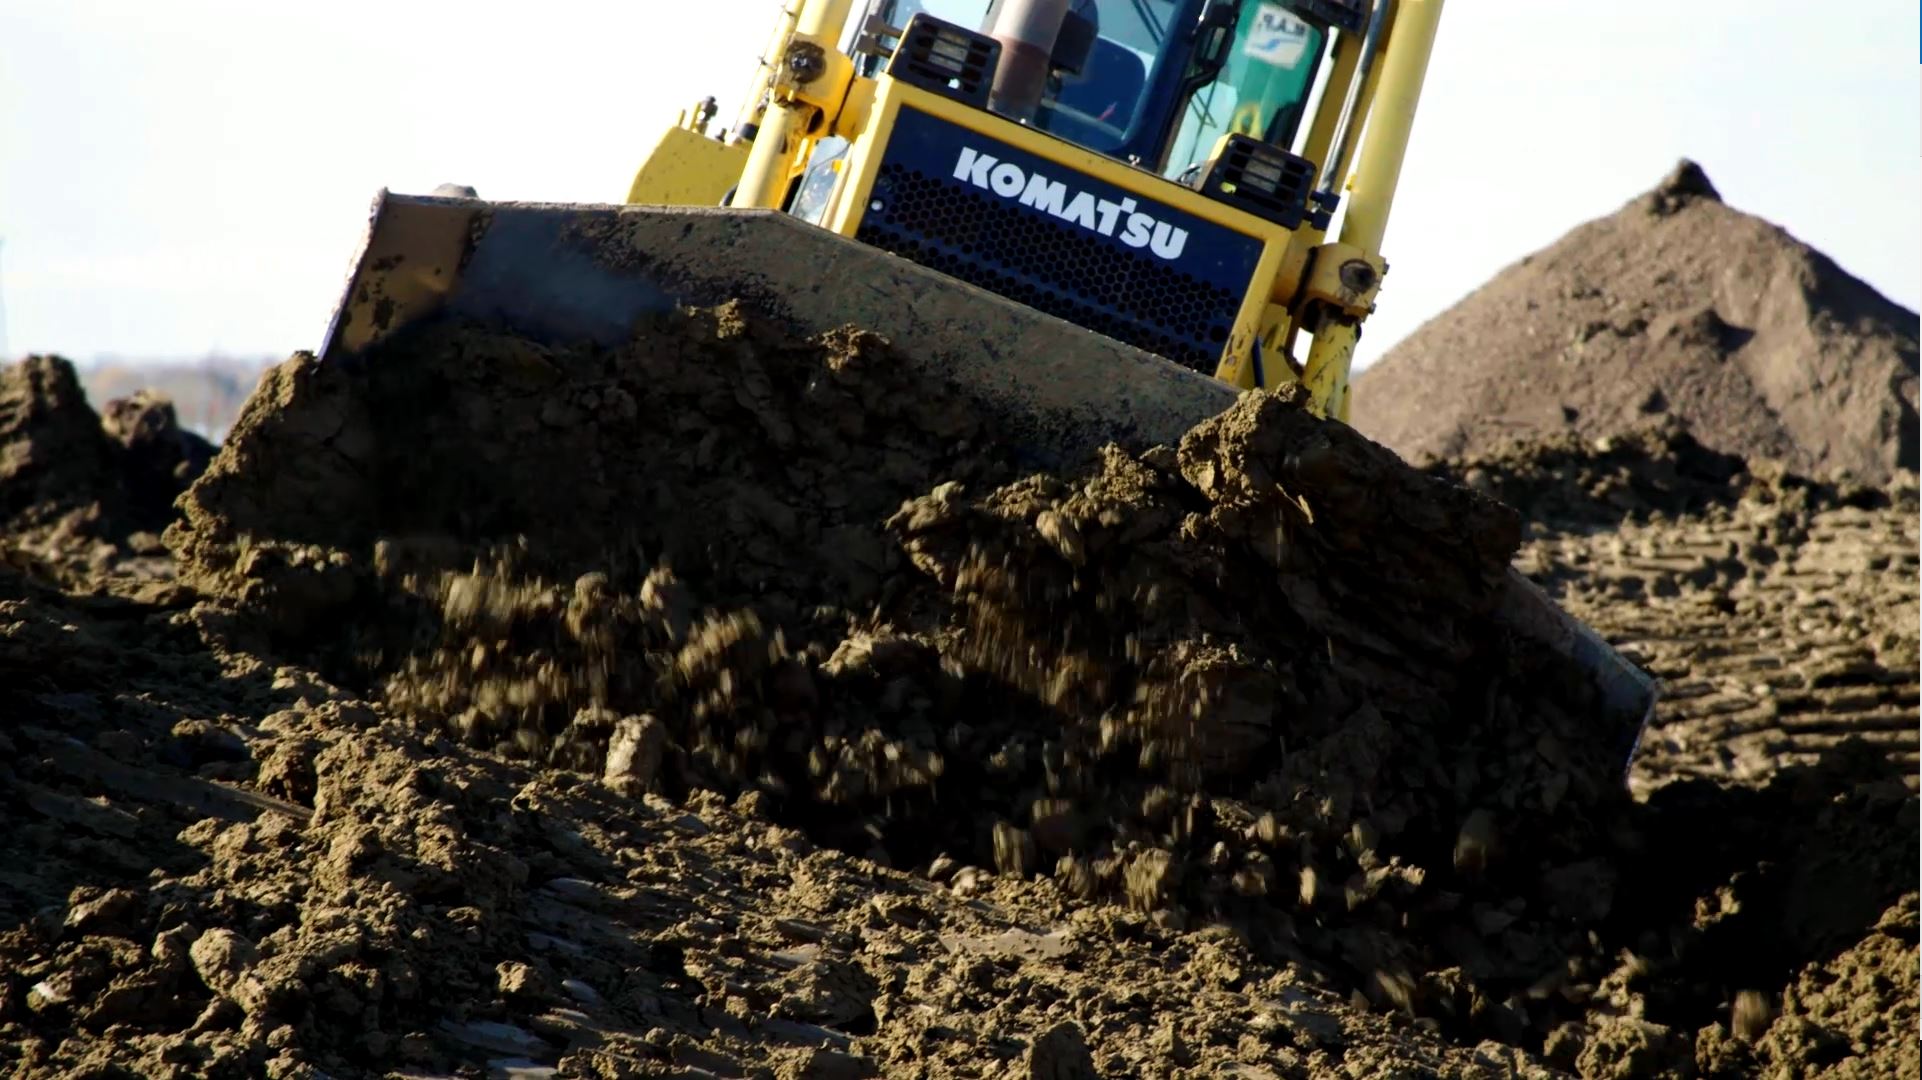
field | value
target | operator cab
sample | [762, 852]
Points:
[1154, 83]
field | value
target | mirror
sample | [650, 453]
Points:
[1073, 45]
[1213, 38]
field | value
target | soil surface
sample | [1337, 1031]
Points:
[1676, 305]
[716, 706]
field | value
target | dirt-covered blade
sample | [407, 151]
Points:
[571, 274]
[565, 274]
[1620, 695]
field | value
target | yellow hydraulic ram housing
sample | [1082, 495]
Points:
[1162, 172]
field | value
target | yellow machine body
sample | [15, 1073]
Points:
[808, 96]
[853, 197]
[688, 169]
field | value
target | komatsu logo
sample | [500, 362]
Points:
[1119, 219]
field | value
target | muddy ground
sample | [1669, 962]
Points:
[717, 707]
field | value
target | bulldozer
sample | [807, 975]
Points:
[1101, 219]
[1145, 170]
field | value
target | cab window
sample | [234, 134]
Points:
[1261, 90]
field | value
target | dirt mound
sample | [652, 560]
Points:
[756, 464]
[54, 458]
[80, 489]
[1195, 679]
[1675, 305]
[1654, 468]
[158, 457]
[213, 865]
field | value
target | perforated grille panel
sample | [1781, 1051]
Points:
[1165, 306]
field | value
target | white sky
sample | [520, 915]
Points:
[193, 175]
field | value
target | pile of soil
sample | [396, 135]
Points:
[1200, 680]
[1676, 305]
[83, 489]
[158, 457]
[1562, 483]
[722, 704]
[54, 457]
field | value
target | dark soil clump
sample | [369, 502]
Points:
[79, 489]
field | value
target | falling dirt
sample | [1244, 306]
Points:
[1676, 305]
[1178, 681]
[414, 908]
[721, 705]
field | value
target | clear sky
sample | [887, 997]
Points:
[193, 175]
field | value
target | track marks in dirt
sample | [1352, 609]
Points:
[1777, 632]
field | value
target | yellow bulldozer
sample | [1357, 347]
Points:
[1145, 169]
[1102, 219]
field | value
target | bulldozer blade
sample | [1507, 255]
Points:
[1620, 695]
[566, 274]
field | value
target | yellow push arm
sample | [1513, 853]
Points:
[791, 113]
[1371, 185]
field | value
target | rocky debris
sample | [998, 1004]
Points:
[79, 491]
[1676, 305]
[159, 458]
[54, 458]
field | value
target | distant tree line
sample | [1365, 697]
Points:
[207, 393]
